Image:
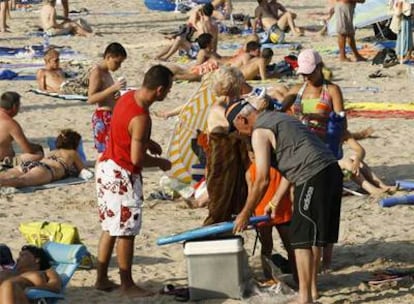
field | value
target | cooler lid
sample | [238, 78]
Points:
[213, 247]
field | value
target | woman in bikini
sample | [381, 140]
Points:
[59, 164]
[311, 103]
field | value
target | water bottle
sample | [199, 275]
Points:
[45, 42]
[259, 92]
[334, 132]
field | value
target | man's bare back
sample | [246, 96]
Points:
[6, 125]
[251, 70]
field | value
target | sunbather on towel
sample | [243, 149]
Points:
[10, 130]
[59, 164]
[207, 61]
[52, 78]
[52, 28]
[33, 270]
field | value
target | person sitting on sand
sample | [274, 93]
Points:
[358, 171]
[52, 78]
[10, 130]
[199, 22]
[256, 67]
[58, 164]
[267, 14]
[104, 91]
[52, 28]
[32, 270]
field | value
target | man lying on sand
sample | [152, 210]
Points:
[10, 130]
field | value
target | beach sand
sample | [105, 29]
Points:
[371, 238]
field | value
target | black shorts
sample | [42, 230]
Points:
[317, 208]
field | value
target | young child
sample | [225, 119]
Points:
[281, 221]
[257, 66]
[103, 91]
[52, 78]
[52, 28]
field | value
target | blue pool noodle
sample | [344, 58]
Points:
[397, 200]
[405, 184]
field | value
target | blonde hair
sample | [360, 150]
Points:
[227, 81]
[51, 53]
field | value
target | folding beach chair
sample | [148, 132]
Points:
[66, 260]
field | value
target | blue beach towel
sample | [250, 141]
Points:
[11, 75]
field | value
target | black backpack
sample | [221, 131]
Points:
[6, 258]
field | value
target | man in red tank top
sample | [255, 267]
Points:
[119, 180]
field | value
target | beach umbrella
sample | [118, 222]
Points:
[192, 117]
[367, 13]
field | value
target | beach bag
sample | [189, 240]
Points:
[38, 233]
[274, 35]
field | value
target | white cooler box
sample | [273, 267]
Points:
[216, 268]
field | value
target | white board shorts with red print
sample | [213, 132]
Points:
[119, 199]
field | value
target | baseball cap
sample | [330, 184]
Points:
[307, 61]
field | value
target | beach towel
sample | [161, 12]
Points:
[61, 96]
[7, 74]
[56, 184]
[192, 117]
[227, 162]
[380, 110]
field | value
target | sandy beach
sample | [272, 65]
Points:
[371, 238]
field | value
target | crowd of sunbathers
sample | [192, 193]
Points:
[283, 156]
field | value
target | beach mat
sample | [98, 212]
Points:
[59, 183]
[61, 96]
[5, 191]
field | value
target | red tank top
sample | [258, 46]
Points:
[118, 147]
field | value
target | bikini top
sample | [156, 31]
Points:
[69, 170]
[322, 106]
